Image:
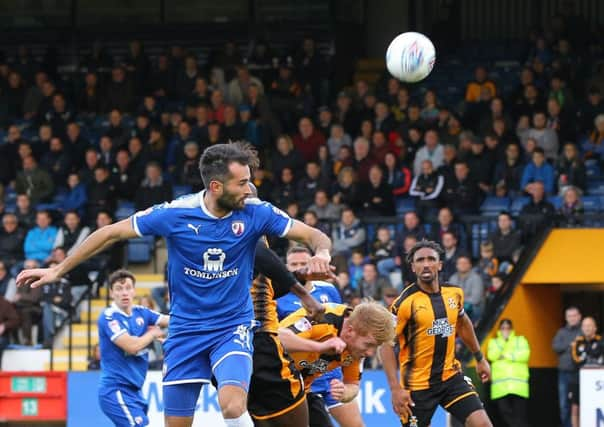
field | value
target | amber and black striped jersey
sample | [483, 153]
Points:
[265, 306]
[425, 326]
[311, 364]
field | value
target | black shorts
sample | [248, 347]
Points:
[573, 392]
[456, 395]
[318, 416]
[276, 386]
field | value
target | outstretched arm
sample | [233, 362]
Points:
[97, 242]
[465, 330]
[318, 242]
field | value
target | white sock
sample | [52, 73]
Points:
[243, 421]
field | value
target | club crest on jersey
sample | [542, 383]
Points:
[319, 366]
[302, 324]
[213, 259]
[140, 321]
[347, 361]
[452, 303]
[238, 227]
[441, 327]
[115, 327]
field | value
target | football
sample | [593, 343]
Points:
[410, 57]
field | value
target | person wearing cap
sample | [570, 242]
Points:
[509, 355]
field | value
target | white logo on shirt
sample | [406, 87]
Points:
[238, 227]
[243, 337]
[441, 327]
[213, 259]
[195, 229]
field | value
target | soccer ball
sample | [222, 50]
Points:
[410, 57]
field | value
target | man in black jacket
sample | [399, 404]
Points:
[507, 242]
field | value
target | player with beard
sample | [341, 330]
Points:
[429, 315]
[211, 239]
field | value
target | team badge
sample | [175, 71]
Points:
[140, 321]
[238, 227]
[452, 303]
[114, 326]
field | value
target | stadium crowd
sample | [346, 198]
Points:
[82, 150]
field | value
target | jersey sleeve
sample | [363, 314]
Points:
[111, 326]
[334, 295]
[462, 311]
[152, 317]
[272, 220]
[401, 312]
[154, 221]
[352, 372]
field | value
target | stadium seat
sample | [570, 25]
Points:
[181, 190]
[493, 205]
[518, 203]
[140, 250]
[123, 212]
[592, 203]
[404, 205]
[595, 188]
[556, 201]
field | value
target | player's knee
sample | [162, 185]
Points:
[233, 408]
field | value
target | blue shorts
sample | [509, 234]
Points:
[193, 359]
[321, 386]
[125, 407]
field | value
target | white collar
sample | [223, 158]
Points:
[119, 310]
[205, 209]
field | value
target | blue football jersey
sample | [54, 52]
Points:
[118, 367]
[211, 259]
[321, 291]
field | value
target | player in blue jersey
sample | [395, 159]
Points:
[320, 398]
[125, 332]
[211, 238]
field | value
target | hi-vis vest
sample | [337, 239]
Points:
[509, 366]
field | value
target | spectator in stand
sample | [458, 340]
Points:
[57, 161]
[508, 171]
[324, 121]
[264, 185]
[481, 163]
[91, 161]
[377, 195]
[546, 138]
[462, 195]
[475, 89]
[586, 350]
[9, 321]
[187, 173]
[326, 164]
[538, 170]
[153, 190]
[593, 147]
[566, 370]
[337, 139]
[8, 287]
[40, 239]
[12, 238]
[509, 355]
[380, 146]
[348, 235]
[323, 208]
[346, 190]
[71, 234]
[94, 360]
[34, 182]
[309, 184]
[497, 112]
[560, 121]
[90, 100]
[119, 93]
[26, 215]
[571, 210]
[156, 143]
[452, 253]
[371, 284]
[287, 156]
[498, 285]
[507, 242]
[101, 193]
[308, 140]
[446, 223]
[432, 150]
[384, 121]
[589, 111]
[231, 129]
[427, 187]
[284, 191]
[56, 303]
[383, 253]
[106, 152]
[76, 197]
[122, 179]
[570, 169]
[539, 210]
[310, 218]
[472, 286]
[27, 303]
[363, 160]
[397, 175]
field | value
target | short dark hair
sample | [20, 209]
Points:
[298, 249]
[215, 160]
[120, 276]
[430, 244]
[507, 322]
[539, 150]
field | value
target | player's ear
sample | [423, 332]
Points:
[215, 186]
[440, 265]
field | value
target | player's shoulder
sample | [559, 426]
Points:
[408, 292]
[189, 201]
[110, 313]
[322, 285]
[254, 205]
[450, 288]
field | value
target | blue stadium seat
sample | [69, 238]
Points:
[140, 250]
[518, 203]
[493, 205]
[593, 170]
[556, 201]
[592, 203]
[181, 190]
[404, 205]
[123, 212]
[595, 188]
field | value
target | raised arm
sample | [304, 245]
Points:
[317, 241]
[97, 242]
